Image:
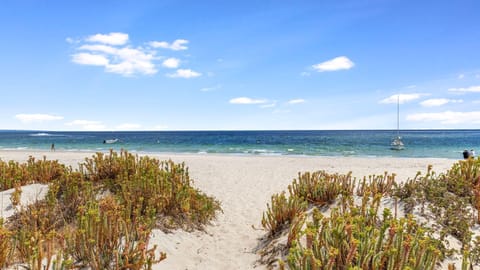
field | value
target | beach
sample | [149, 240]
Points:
[243, 184]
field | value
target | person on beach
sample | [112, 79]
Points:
[466, 154]
[472, 153]
[52, 148]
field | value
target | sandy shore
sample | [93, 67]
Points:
[243, 184]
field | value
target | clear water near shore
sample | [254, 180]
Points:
[375, 143]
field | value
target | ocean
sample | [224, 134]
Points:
[362, 143]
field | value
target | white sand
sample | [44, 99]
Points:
[243, 185]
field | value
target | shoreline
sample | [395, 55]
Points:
[153, 153]
[244, 186]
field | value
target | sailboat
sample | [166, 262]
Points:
[397, 143]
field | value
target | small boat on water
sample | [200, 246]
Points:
[397, 143]
[110, 141]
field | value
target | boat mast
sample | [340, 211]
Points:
[398, 115]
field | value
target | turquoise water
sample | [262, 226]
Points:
[375, 143]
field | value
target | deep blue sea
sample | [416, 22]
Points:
[373, 143]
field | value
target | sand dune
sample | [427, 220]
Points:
[244, 185]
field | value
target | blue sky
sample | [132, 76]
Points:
[223, 65]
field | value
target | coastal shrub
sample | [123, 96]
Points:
[450, 197]
[105, 239]
[105, 167]
[33, 171]
[377, 184]
[69, 193]
[356, 238]
[353, 235]
[6, 249]
[150, 187]
[101, 215]
[282, 212]
[35, 237]
[15, 197]
[320, 187]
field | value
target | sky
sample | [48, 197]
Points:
[239, 65]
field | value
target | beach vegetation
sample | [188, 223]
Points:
[5, 245]
[101, 215]
[43, 171]
[354, 237]
[343, 229]
[282, 211]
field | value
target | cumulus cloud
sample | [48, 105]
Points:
[171, 63]
[337, 63]
[177, 45]
[37, 117]
[402, 98]
[439, 102]
[128, 126]
[247, 100]
[111, 39]
[87, 124]
[184, 73]
[475, 88]
[124, 60]
[90, 59]
[115, 53]
[447, 117]
[296, 101]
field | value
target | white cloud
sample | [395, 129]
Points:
[99, 48]
[171, 63]
[447, 117]
[461, 76]
[115, 53]
[37, 117]
[439, 102]
[128, 126]
[125, 60]
[87, 124]
[296, 101]
[90, 59]
[111, 39]
[177, 45]
[246, 100]
[184, 73]
[475, 88]
[403, 98]
[338, 63]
